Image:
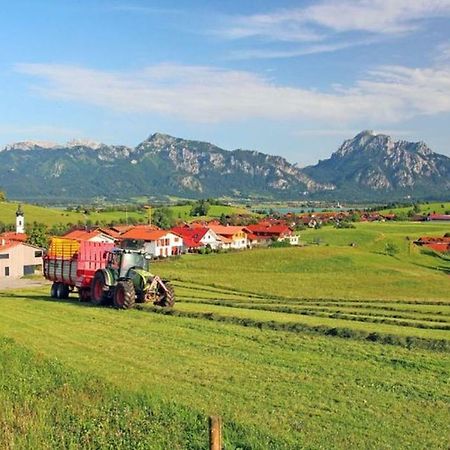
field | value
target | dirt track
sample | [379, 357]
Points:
[17, 283]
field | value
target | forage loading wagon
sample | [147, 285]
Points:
[104, 274]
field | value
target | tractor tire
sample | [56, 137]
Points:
[62, 291]
[53, 290]
[124, 295]
[167, 298]
[84, 295]
[98, 295]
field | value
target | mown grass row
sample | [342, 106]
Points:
[436, 324]
[297, 327]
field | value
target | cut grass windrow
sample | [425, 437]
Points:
[433, 324]
[296, 327]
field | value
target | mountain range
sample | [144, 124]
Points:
[368, 167]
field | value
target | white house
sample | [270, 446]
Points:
[18, 259]
[158, 243]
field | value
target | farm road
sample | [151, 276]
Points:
[17, 283]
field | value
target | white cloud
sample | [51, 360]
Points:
[327, 23]
[387, 95]
[375, 16]
[442, 53]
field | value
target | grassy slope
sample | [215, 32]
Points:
[52, 216]
[329, 271]
[274, 389]
[295, 390]
[438, 207]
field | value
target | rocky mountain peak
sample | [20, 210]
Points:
[31, 145]
[94, 145]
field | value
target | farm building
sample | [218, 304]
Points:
[231, 236]
[90, 235]
[440, 244]
[158, 243]
[273, 233]
[18, 259]
[197, 237]
[440, 217]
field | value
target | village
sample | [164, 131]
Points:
[19, 257]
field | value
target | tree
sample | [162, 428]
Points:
[38, 235]
[2, 196]
[223, 219]
[163, 217]
[200, 208]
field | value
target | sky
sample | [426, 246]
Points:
[291, 78]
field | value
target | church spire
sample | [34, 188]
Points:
[20, 220]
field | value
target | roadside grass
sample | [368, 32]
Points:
[112, 377]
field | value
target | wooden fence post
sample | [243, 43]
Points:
[215, 433]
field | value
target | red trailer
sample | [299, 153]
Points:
[72, 264]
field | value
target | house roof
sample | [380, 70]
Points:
[226, 230]
[13, 236]
[145, 234]
[9, 244]
[195, 234]
[83, 235]
[439, 217]
[271, 229]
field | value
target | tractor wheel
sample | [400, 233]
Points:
[98, 295]
[166, 298]
[53, 290]
[62, 291]
[124, 295]
[84, 295]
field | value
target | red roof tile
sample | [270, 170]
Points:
[13, 236]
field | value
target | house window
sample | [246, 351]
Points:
[28, 270]
[4, 255]
[6, 271]
[38, 254]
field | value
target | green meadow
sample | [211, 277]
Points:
[54, 216]
[328, 345]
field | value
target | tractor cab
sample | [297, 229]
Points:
[120, 261]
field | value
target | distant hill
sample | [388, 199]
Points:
[374, 167]
[161, 165]
[367, 167]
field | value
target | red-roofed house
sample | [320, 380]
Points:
[90, 235]
[195, 238]
[18, 259]
[13, 236]
[440, 244]
[438, 217]
[273, 232]
[158, 243]
[231, 237]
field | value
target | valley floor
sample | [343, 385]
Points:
[323, 346]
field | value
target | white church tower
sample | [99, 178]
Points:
[20, 220]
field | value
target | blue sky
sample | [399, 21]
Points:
[293, 78]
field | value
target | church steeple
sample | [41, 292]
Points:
[20, 220]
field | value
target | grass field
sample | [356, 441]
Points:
[322, 346]
[53, 216]
[425, 208]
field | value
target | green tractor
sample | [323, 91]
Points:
[126, 280]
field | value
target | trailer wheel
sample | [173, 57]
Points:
[62, 291]
[53, 290]
[98, 294]
[166, 297]
[84, 294]
[124, 295]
